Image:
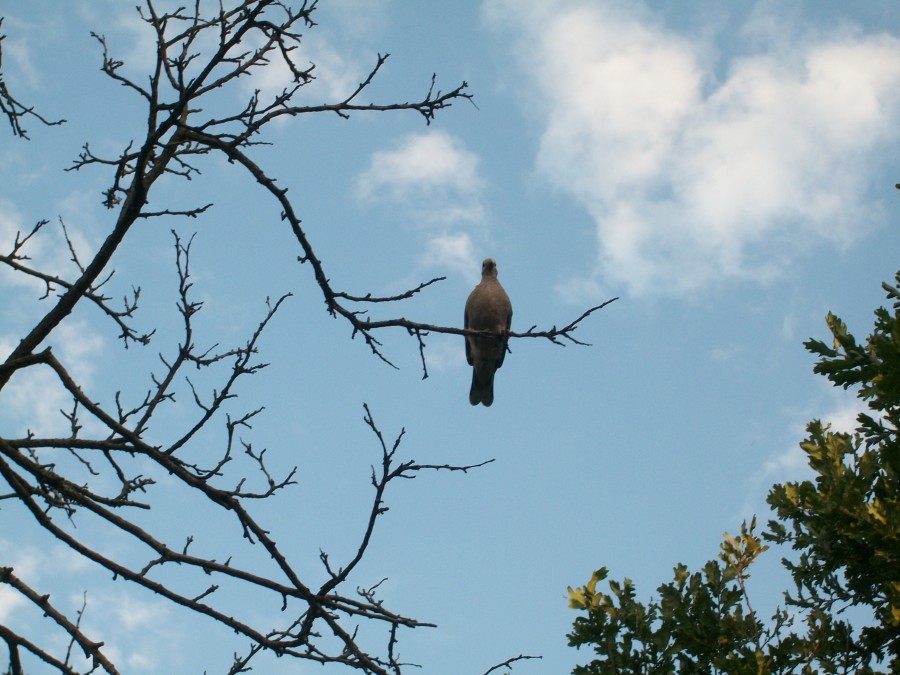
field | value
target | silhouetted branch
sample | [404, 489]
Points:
[389, 470]
[124, 452]
[15, 642]
[368, 297]
[509, 662]
[91, 649]
[14, 259]
[366, 326]
[14, 110]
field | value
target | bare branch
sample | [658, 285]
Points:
[121, 451]
[380, 480]
[366, 326]
[51, 282]
[509, 662]
[368, 297]
[14, 642]
[91, 649]
[14, 110]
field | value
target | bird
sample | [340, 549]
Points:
[488, 308]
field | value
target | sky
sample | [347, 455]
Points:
[726, 170]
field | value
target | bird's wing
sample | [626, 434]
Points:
[468, 340]
[508, 322]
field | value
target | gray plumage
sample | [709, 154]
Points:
[488, 308]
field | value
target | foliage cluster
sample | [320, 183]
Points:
[843, 527]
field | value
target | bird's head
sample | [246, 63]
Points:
[489, 268]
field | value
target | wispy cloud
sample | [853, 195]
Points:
[445, 353]
[336, 73]
[12, 226]
[131, 623]
[436, 180]
[46, 251]
[34, 397]
[19, 52]
[454, 251]
[342, 56]
[421, 166]
[790, 463]
[26, 562]
[337, 55]
[694, 178]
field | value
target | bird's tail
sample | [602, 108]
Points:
[481, 392]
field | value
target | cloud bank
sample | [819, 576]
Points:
[699, 167]
[436, 180]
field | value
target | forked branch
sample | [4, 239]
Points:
[14, 110]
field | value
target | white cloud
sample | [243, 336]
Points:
[26, 562]
[788, 464]
[692, 180]
[791, 463]
[842, 417]
[11, 224]
[419, 166]
[19, 53]
[130, 621]
[128, 624]
[338, 69]
[134, 614]
[336, 74]
[10, 600]
[34, 397]
[357, 19]
[132, 625]
[47, 250]
[436, 181]
[454, 251]
[336, 51]
[445, 353]
[724, 354]
[138, 42]
[341, 56]
[76, 344]
[575, 289]
[33, 565]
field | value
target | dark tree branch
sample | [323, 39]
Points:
[130, 305]
[368, 297]
[14, 642]
[91, 649]
[120, 444]
[509, 662]
[14, 110]
[366, 326]
[380, 479]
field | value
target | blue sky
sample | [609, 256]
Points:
[727, 171]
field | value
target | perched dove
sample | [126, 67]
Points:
[488, 308]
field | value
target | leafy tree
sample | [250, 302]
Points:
[844, 527]
[108, 470]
